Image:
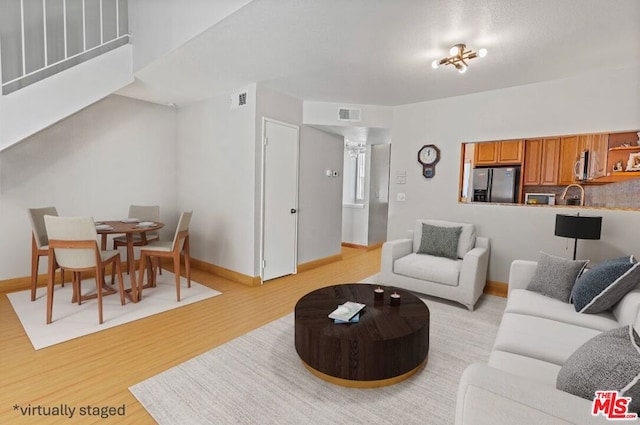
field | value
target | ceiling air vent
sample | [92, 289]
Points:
[346, 114]
[238, 100]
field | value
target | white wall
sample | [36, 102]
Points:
[97, 162]
[595, 102]
[320, 197]
[216, 179]
[326, 113]
[157, 27]
[39, 105]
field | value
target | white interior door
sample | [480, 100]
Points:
[280, 199]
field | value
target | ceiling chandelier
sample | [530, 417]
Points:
[459, 57]
[354, 148]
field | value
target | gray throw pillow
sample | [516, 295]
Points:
[607, 362]
[440, 241]
[555, 276]
[603, 285]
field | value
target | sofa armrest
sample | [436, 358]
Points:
[391, 251]
[473, 274]
[521, 273]
[489, 396]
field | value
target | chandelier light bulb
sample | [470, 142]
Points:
[482, 52]
[435, 64]
[462, 68]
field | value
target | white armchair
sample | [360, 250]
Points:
[461, 279]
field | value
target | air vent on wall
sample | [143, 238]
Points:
[238, 100]
[346, 114]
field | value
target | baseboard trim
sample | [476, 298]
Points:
[362, 247]
[226, 273]
[319, 262]
[499, 289]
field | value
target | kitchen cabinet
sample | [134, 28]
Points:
[532, 162]
[499, 153]
[541, 162]
[550, 163]
[568, 157]
[598, 147]
[621, 147]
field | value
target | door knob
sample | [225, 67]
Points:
[293, 211]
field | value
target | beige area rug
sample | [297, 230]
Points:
[71, 320]
[258, 378]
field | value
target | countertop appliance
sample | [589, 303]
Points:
[496, 184]
[540, 198]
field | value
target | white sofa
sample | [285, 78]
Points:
[536, 336]
[461, 280]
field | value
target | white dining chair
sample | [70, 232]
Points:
[73, 246]
[39, 243]
[173, 249]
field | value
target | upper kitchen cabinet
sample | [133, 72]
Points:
[499, 153]
[598, 146]
[569, 153]
[541, 162]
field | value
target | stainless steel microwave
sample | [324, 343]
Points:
[540, 198]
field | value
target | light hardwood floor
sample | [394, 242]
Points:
[96, 370]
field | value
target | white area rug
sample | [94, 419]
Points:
[71, 320]
[258, 379]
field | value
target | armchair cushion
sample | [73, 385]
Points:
[605, 284]
[466, 241]
[440, 241]
[430, 268]
[610, 361]
[555, 276]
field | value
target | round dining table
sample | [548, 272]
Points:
[129, 229]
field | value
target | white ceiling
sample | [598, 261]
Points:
[379, 51]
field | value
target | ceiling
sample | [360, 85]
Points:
[380, 51]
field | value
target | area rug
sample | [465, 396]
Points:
[258, 378]
[71, 320]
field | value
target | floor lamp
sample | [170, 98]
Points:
[578, 227]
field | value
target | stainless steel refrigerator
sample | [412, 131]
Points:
[498, 184]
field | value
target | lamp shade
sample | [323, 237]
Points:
[578, 227]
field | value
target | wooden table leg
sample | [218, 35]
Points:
[131, 264]
[103, 242]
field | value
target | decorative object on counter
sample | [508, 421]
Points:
[578, 227]
[634, 162]
[378, 294]
[394, 299]
[618, 166]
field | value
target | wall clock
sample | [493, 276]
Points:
[428, 156]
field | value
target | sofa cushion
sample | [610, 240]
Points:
[439, 241]
[523, 301]
[609, 361]
[605, 284]
[555, 276]
[528, 367]
[426, 267]
[627, 310]
[466, 242]
[539, 338]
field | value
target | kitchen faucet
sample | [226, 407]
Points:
[566, 189]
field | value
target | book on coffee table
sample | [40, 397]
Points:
[346, 311]
[354, 319]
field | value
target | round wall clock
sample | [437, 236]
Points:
[428, 156]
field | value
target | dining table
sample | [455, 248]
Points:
[129, 228]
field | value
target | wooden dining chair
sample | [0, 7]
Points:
[142, 213]
[39, 243]
[73, 246]
[173, 249]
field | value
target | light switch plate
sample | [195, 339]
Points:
[401, 196]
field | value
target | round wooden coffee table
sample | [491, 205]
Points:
[387, 345]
